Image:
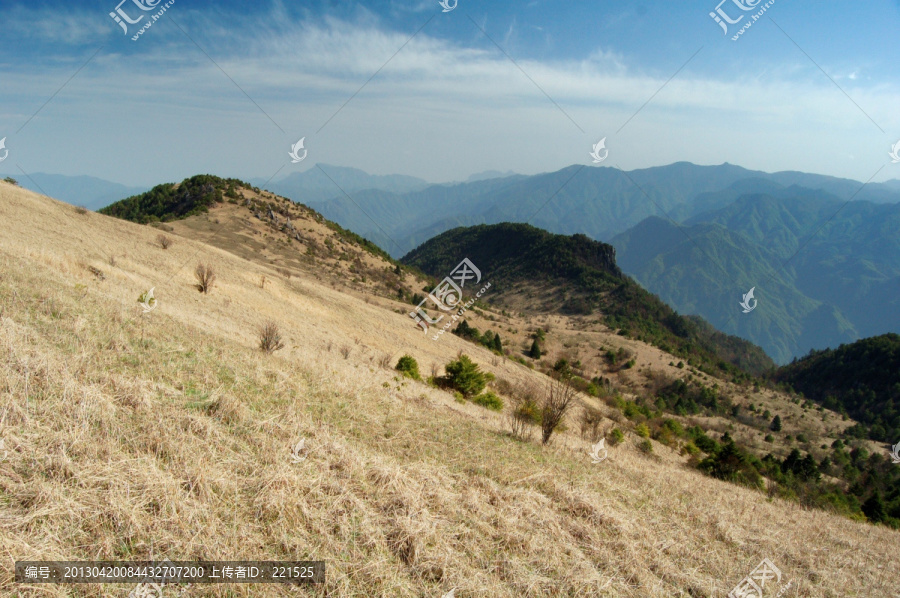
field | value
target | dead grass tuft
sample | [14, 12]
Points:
[206, 277]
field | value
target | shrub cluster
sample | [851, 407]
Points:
[489, 339]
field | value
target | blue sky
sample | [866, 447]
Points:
[227, 87]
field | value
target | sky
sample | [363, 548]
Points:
[402, 87]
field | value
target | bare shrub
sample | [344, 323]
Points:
[556, 402]
[81, 210]
[503, 386]
[345, 351]
[262, 281]
[435, 370]
[206, 277]
[164, 241]
[385, 361]
[270, 338]
[591, 419]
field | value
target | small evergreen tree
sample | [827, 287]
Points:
[409, 367]
[535, 352]
[465, 376]
[873, 508]
[497, 344]
[776, 423]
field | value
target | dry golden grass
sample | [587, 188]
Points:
[168, 435]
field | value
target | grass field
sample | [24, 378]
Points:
[168, 435]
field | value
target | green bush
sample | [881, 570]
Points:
[489, 400]
[616, 436]
[465, 376]
[529, 411]
[646, 446]
[409, 367]
[691, 449]
[642, 430]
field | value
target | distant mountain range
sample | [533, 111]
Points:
[323, 182]
[597, 201]
[87, 191]
[822, 277]
[698, 236]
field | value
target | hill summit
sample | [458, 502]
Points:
[574, 275]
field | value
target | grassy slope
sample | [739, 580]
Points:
[169, 435]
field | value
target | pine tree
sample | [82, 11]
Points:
[776, 424]
[535, 352]
[874, 508]
[497, 344]
[463, 330]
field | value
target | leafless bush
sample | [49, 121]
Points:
[385, 361]
[206, 277]
[435, 370]
[345, 351]
[270, 338]
[556, 402]
[81, 210]
[590, 423]
[262, 281]
[164, 241]
[503, 386]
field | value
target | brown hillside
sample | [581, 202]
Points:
[132, 436]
